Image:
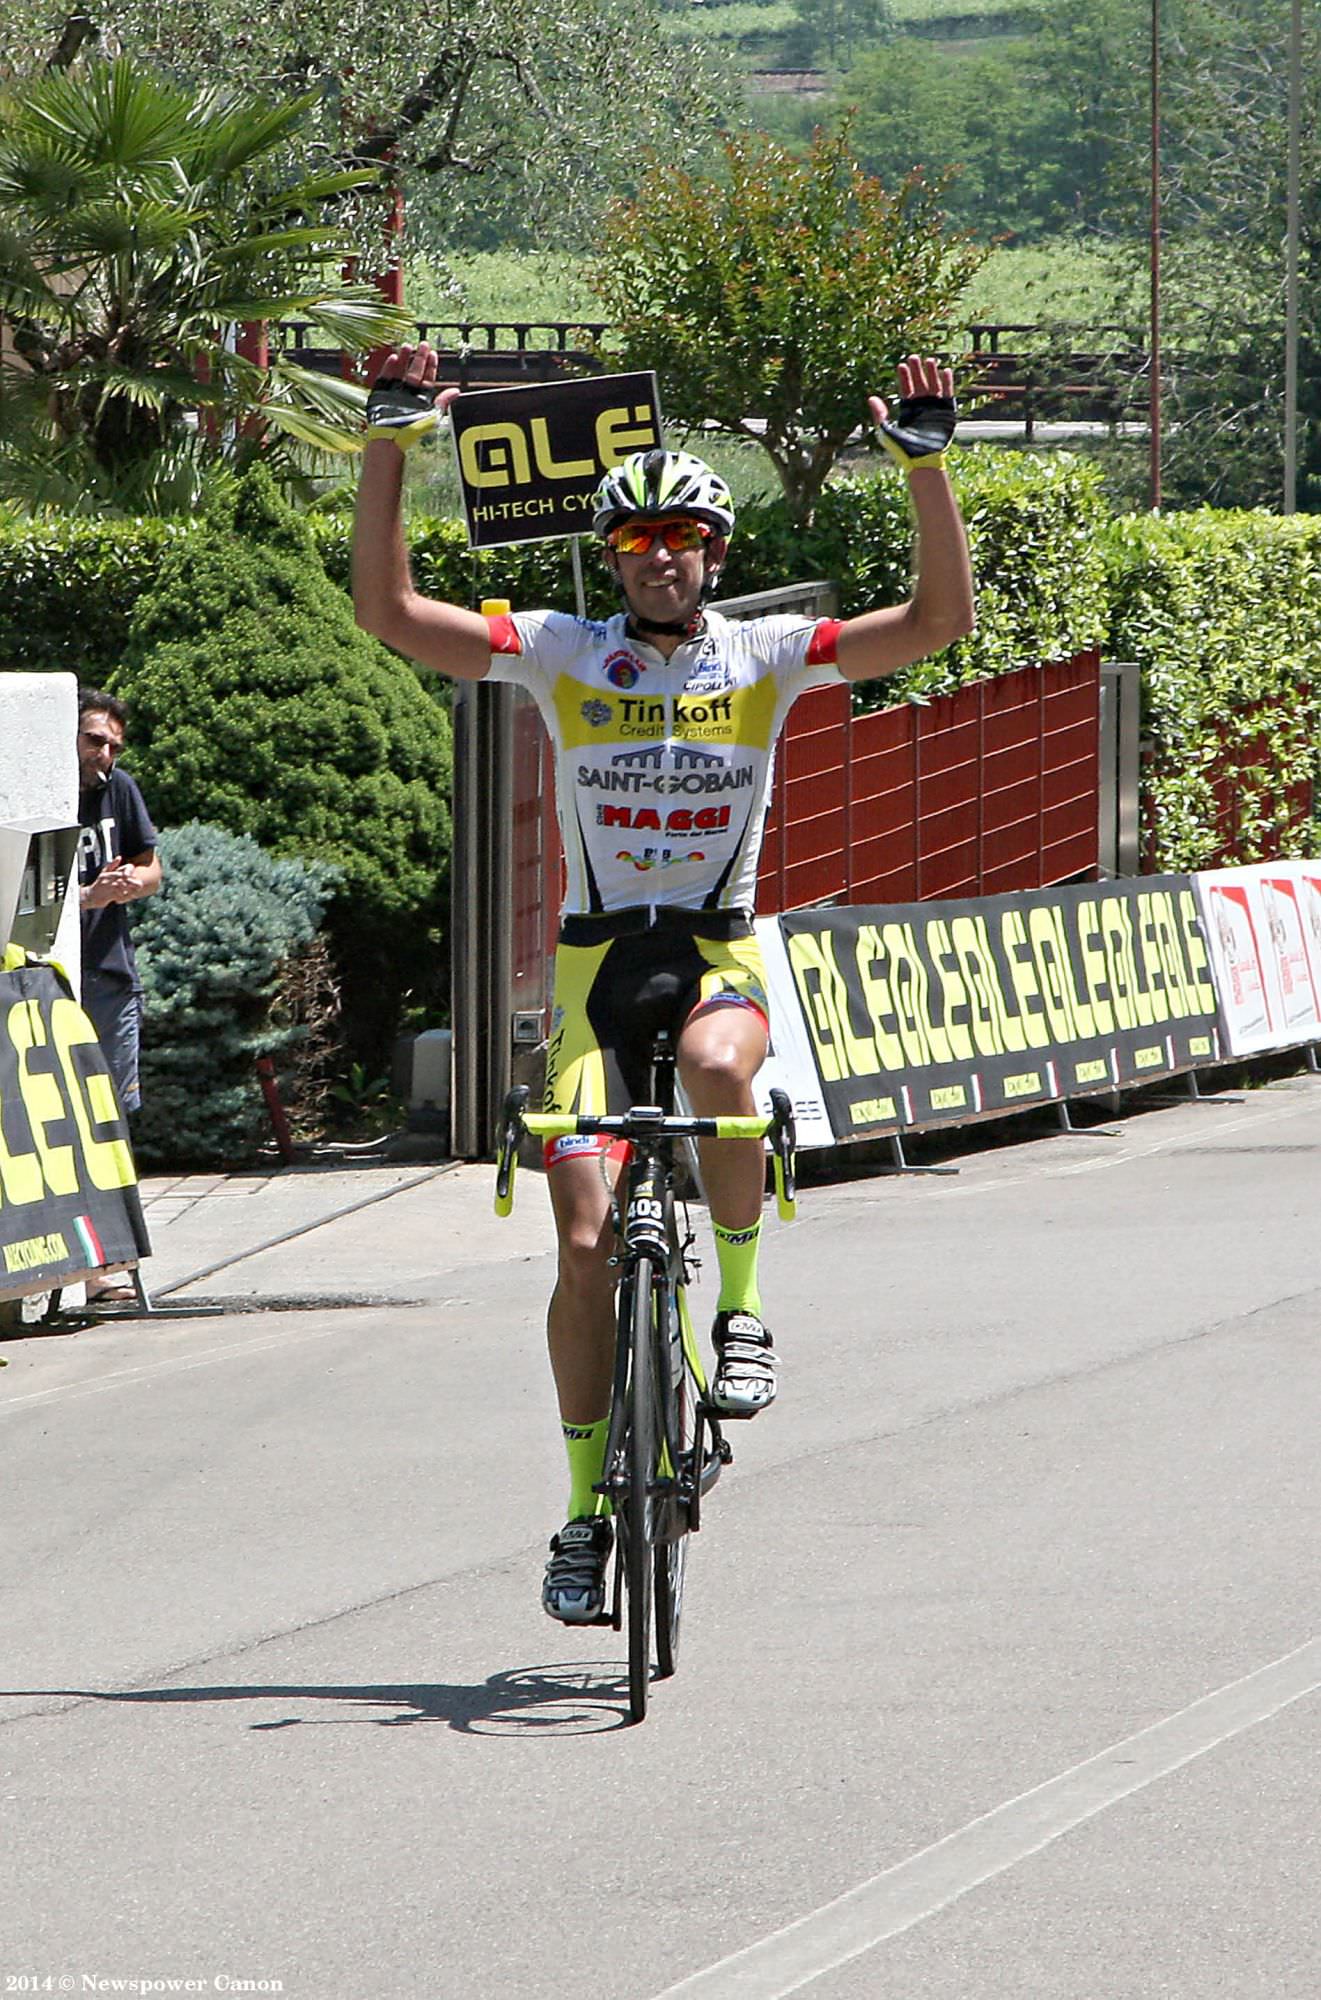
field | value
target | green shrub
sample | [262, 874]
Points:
[1222, 611]
[68, 588]
[259, 705]
[212, 947]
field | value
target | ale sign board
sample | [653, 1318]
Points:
[531, 459]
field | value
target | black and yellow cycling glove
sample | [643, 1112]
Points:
[921, 430]
[398, 410]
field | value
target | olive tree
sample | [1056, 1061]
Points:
[523, 115]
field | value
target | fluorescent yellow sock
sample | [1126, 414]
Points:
[585, 1444]
[736, 1254]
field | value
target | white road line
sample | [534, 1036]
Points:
[913, 1890]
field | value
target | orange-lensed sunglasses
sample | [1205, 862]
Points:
[636, 538]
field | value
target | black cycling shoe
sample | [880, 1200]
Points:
[744, 1381]
[574, 1586]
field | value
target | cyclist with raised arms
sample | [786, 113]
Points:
[664, 720]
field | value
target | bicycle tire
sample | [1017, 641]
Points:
[640, 1484]
[675, 1422]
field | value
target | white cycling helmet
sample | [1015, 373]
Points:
[656, 483]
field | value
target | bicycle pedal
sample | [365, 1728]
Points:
[715, 1416]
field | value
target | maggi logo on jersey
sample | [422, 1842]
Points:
[682, 819]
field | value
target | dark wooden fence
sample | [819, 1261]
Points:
[1009, 370]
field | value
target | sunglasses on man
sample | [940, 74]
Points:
[637, 538]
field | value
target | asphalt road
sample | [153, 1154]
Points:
[1001, 1656]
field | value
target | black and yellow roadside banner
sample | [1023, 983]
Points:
[924, 1013]
[531, 459]
[69, 1199]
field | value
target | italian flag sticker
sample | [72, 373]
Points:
[93, 1248]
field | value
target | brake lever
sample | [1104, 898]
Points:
[512, 1130]
[783, 1137]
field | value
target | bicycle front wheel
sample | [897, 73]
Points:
[640, 1478]
[675, 1421]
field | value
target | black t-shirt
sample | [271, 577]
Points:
[114, 820]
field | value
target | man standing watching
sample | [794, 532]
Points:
[117, 865]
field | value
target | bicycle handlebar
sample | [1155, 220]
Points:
[641, 1124]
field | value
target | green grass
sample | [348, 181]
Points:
[503, 285]
[907, 12]
[732, 22]
[1068, 279]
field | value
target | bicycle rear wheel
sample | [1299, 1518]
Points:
[675, 1423]
[641, 1469]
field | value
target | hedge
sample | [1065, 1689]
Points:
[1035, 526]
[1222, 611]
[68, 589]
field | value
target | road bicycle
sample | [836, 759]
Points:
[665, 1446]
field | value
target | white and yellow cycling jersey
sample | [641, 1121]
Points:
[663, 767]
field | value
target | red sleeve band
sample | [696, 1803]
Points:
[821, 651]
[504, 634]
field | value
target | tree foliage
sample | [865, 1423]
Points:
[1224, 154]
[1054, 129]
[833, 32]
[140, 225]
[774, 299]
[501, 122]
[1017, 136]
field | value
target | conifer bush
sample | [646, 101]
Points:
[259, 706]
[214, 949]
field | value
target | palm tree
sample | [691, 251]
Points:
[141, 226]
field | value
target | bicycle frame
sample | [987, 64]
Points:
[654, 1483]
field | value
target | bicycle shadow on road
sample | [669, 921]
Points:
[574, 1698]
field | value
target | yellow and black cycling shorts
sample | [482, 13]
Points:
[613, 997]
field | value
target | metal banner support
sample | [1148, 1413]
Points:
[579, 589]
[481, 911]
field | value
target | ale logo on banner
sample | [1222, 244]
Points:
[69, 1199]
[953, 1010]
[531, 459]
